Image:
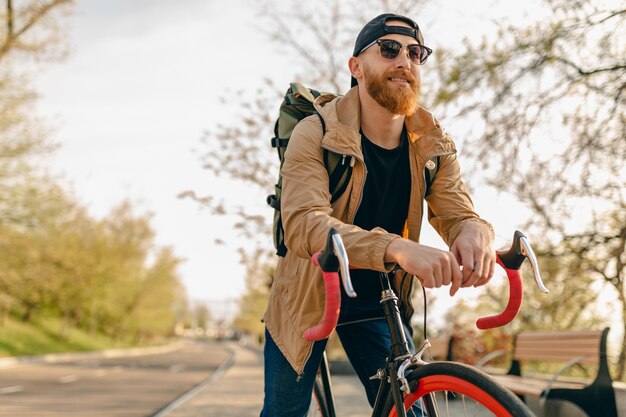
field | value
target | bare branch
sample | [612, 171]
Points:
[9, 19]
[589, 72]
[34, 16]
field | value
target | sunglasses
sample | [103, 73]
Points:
[390, 49]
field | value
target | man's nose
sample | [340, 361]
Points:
[403, 60]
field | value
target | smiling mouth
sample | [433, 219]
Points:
[399, 80]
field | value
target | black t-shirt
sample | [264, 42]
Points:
[385, 203]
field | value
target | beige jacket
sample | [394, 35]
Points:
[297, 295]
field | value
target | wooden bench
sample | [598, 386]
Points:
[597, 399]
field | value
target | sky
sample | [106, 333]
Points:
[141, 84]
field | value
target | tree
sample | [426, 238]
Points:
[138, 296]
[201, 316]
[29, 29]
[29, 238]
[547, 105]
[252, 305]
[30, 33]
[105, 276]
[160, 293]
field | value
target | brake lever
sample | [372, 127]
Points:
[340, 252]
[527, 251]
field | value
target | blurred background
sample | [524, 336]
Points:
[135, 158]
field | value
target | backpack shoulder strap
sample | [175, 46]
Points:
[338, 167]
[339, 172]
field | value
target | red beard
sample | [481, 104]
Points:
[396, 99]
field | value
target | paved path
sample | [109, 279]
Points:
[238, 391]
[135, 383]
[196, 380]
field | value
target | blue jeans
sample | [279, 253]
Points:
[367, 345]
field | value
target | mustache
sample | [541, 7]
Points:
[402, 74]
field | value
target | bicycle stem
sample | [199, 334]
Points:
[400, 347]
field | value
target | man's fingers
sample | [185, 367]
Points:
[477, 273]
[492, 267]
[468, 268]
[474, 271]
[427, 280]
[446, 269]
[457, 277]
[488, 270]
[438, 275]
[457, 255]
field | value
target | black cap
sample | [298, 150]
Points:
[378, 27]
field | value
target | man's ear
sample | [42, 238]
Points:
[356, 68]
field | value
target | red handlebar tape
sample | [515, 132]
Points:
[331, 310]
[516, 294]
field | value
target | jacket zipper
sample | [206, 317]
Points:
[308, 356]
[358, 203]
[343, 159]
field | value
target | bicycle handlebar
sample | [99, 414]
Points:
[335, 258]
[511, 260]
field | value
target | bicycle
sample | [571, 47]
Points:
[409, 384]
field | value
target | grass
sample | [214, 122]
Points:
[44, 336]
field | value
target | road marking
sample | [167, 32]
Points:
[228, 362]
[68, 379]
[177, 368]
[11, 390]
[90, 363]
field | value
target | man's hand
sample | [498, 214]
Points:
[433, 267]
[473, 250]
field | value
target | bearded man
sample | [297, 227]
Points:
[391, 142]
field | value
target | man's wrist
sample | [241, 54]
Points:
[480, 226]
[475, 227]
[393, 250]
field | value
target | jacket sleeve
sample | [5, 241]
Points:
[306, 210]
[449, 204]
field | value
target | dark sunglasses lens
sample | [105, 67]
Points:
[390, 49]
[417, 54]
